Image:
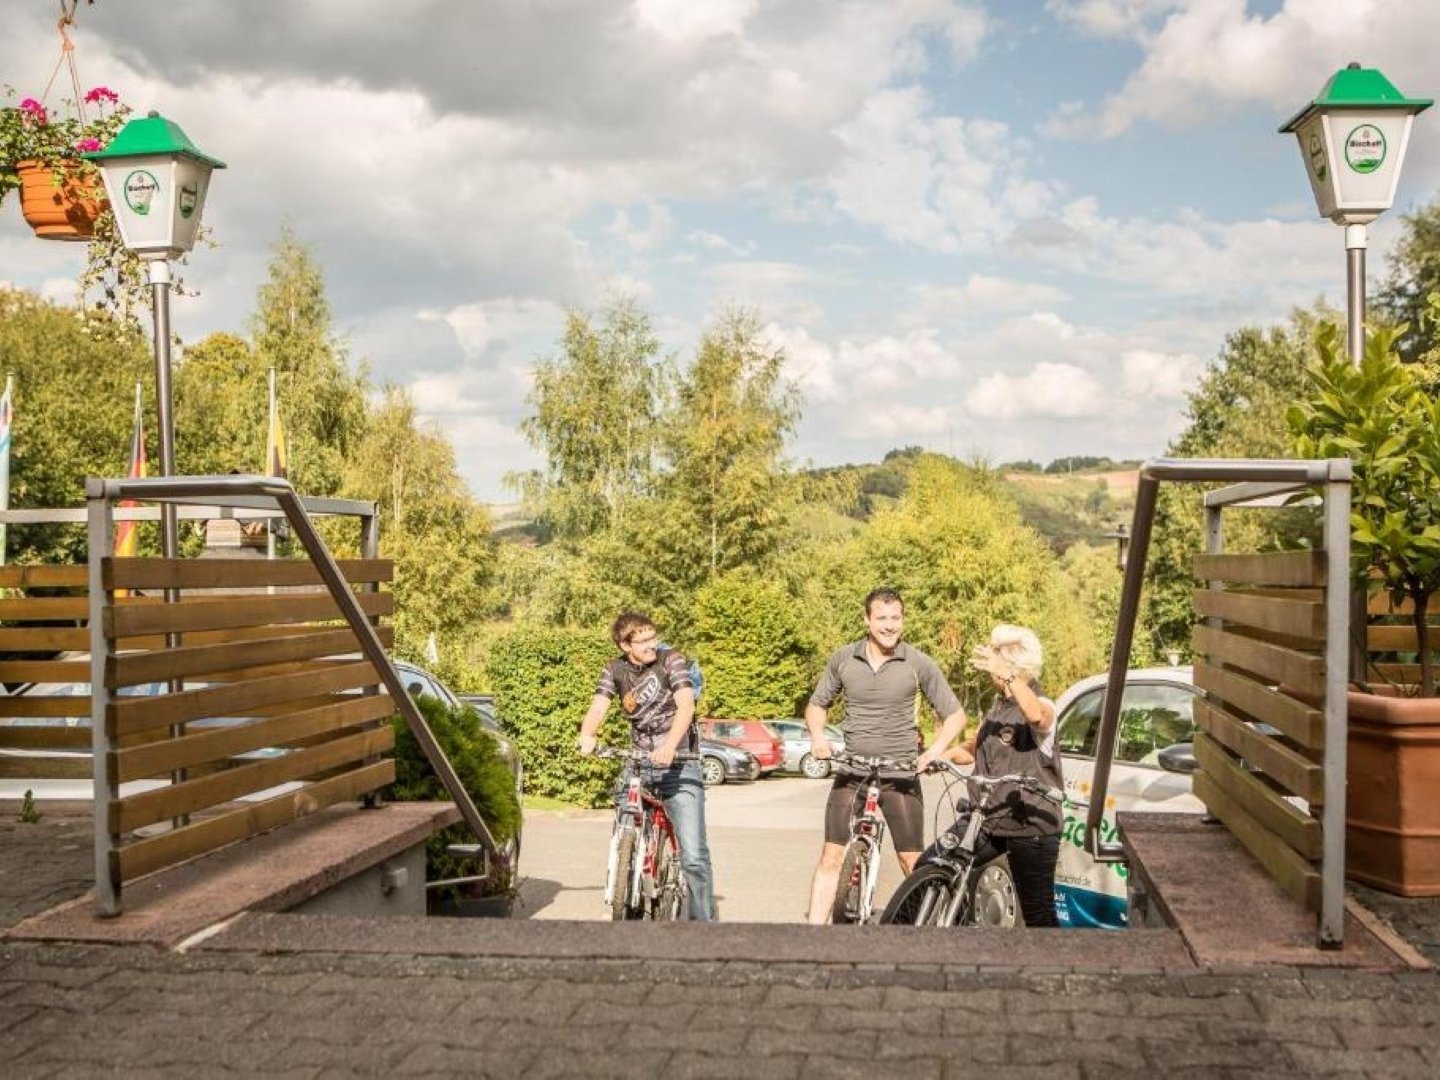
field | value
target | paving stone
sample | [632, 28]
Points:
[1394, 1061]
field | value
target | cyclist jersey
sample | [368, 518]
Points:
[880, 704]
[647, 696]
[1008, 743]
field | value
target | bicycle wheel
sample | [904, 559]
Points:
[620, 907]
[851, 884]
[922, 898]
[670, 902]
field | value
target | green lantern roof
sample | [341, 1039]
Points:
[149, 136]
[1354, 87]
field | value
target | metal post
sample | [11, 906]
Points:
[1355, 240]
[1338, 591]
[159, 275]
[100, 522]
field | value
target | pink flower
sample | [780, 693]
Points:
[88, 145]
[101, 93]
[34, 111]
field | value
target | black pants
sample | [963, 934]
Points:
[1032, 865]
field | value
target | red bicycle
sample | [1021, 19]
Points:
[642, 876]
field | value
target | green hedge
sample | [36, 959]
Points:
[543, 681]
[475, 757]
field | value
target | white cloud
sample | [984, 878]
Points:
[685, 22]
[981, 294]
[905, 423]
[647, 235]
[715, 242]
[1211, 55]
[1109, 18]
[1150, 375]
[1049, 390]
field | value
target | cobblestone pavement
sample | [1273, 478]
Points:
[336, 1004]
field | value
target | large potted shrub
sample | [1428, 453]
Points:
[482, 771]
[1380, 415]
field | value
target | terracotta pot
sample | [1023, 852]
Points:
[1392, 800]
[64, 211]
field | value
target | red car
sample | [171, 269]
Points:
[751, 735]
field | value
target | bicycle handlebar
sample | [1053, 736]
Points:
[642, 756]
[874, 764]
[988, 783]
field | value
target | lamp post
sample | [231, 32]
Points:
[1121, 536]
[156, 180]
[1353, 138]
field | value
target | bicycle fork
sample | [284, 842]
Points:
[629, 820]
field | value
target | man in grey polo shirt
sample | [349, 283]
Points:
[880, 677]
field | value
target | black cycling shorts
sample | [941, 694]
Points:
[900, 802]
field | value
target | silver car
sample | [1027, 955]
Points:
[795, 739]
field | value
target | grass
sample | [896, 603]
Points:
[545, 802]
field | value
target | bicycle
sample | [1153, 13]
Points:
[860, 865]
[642, 871]
[942, 890]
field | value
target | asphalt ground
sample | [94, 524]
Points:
[308, 996]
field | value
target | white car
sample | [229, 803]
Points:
[1150, 772]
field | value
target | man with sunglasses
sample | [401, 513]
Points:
[656, 695]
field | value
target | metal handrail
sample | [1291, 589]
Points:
[101, 494]
[1250, 479]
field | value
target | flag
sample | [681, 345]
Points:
[7, 413]
[276, 456]
[126, 538]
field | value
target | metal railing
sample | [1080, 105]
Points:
[261, 496]
[1252, 480]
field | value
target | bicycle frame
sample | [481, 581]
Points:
[867, 829]
[642, 816]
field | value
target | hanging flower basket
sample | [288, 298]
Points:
[61, 202]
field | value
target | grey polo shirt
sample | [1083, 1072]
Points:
[880, 705]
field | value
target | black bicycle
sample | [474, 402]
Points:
[947, 889]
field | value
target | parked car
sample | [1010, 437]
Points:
[795, 746]
[720, 762]
[1151, 772]
[751, 735]
[419, 681]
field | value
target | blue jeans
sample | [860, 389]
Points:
[682, 791]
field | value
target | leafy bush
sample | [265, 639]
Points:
[543, 681]
[476, 759]
[751, 645]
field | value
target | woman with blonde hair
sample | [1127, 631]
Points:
[1017, 735]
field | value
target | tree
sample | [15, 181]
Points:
[1237, 411]
[74, 404]
[750, 643]
[221, 406]
[723, 438]
[1414, 276]
[321, 402]
[438, 535]
[595, 412]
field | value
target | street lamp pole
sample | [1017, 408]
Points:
[156, 180]
[158, 272]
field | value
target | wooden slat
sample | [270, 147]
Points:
[135, 668]
[1400, 674]
[1398, 639]
[151, 573]
[1300, 880]
[35, 608]
[155, 852]
[1291, 770]
[1303, 723]
[44, 577]
[1301, 670]
[1298, 618]
[1269, 568]
[46, 737]
[217, 613]
[45, 639]
[186, 797]
[159, 758]
[45, 671]
[45, 768]
[1294, 826]
[50, 706]
[127, 715]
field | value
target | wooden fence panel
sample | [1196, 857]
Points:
[1299, 618]
[1303, 671]
[1269, 568]
[1299, 721]
[1251, 793]
[1296, 773]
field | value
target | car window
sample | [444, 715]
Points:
[1152, 717]
[419, 682]
[1080, 724]
[722, 729]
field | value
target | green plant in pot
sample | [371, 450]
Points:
[1380, 414]
[476, 760]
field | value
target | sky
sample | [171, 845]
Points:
[1016, 229]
